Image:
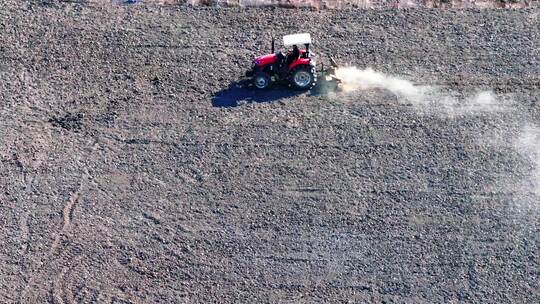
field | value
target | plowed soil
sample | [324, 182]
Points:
[133, 170]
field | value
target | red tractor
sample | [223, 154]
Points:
[297, 67]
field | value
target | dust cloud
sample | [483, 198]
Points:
[429, 98]
[440, 101]
[528, 145]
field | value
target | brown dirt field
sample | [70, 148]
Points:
[132, 172]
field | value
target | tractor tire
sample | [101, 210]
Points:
[304, 77]
[261, 80]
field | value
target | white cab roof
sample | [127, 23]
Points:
[297, 39]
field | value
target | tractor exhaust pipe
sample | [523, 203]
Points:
[273, 45]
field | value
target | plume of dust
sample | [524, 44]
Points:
[425, 96]
[434, 100]
[528, 145]
[354, 79]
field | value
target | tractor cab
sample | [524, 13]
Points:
[294, 41]
[296, 66]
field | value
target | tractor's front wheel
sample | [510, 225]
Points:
[261, 80]
[304, 77]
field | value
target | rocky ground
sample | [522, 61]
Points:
[132, 171]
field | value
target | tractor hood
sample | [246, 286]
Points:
[265, 59]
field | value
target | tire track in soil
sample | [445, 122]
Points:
[25, 232]
[69, 207]
[67, 219]
[60, 294]
[67, 215]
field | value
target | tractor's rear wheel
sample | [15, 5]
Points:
[261, 80]
[304, 77]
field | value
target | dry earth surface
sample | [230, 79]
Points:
[131, 172]
[337, 4]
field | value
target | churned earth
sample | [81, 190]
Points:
[133, 170]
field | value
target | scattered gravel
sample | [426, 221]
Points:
[134, 171]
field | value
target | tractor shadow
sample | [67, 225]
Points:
[240, 93]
